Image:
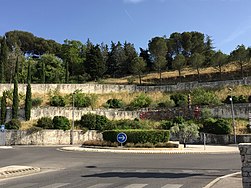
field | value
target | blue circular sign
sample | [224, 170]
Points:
[2, 128]
[121, 138]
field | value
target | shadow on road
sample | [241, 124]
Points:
[143, 175]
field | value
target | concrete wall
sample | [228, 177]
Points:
[245, 152]
[108, 88]
[48, 137]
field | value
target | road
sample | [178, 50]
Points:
[62, 169]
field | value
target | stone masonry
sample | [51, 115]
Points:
[245, 151]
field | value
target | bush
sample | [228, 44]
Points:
[178, 120]
[94, 122]
[82, 100]
[141, 101]
[166, 124]
[237, 99]
[202, 97]
[216, 126]
[114, 103]
[128, 124]
[13, 124]
[139, 136]
[45, 123]
[36, 102]
[179, 99]
[61, 122]
[57, 100]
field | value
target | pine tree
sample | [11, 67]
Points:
[3, 108]
[28, 101]
[15, 99]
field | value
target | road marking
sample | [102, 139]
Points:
[100, 185]
[24, 185]
[141, 171]
[172, 186]
[55, 185]
[136, 186]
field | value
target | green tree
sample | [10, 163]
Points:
[158, 49]
[3, 108]
[241, 56]
[50, 69]
[138, 66]
[94, 64]
[218, 60]
[185, 131]
[28, 100]
[3, 59]
[130, 53]
[15, 99]
[197, 60]
[179, 63]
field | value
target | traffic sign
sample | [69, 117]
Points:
[2, 128]
[121, 138]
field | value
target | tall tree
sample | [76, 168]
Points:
[178, 63]
[15, 99]
[95, 65]
[28, 100]
[50, 69]
[3, 59]
[218, 60]
[3, 108]
[116, 60]
[130, 53]
[138, 66]
[241, 56]
[158, 49]
[146, 56]
[197, 60]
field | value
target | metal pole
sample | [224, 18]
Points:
[204, 138]
[233, 123]
[72, 126]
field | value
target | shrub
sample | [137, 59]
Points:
[45, 123]
[94, 122]
[127, 124]
[179, 99]
[139, 136]
[216, 126]
[36, 102]
[178, 120]
[203, 97]
[164, 124]
[237, 99]
[114, 103]
[13, 124]
[82, 100]
[61, 122]
[141, 101]
[57, 100]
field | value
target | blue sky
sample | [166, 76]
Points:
[228, 22]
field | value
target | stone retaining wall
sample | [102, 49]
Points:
[245, 152]
[49, 137]
[109, 88]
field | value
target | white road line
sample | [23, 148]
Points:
[172, 186]
[25, 185]
[136, 186]
[100, 185]
[55, 185]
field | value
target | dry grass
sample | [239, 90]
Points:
[27, 124]
[236, 91]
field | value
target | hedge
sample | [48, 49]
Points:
[139, 136]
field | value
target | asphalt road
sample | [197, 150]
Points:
[99, 170]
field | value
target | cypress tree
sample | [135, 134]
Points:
[28, 102]
[3, 108]
[15, 99]
[66, 72]
[3, 59]
[43, 73]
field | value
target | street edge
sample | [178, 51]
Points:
[19, 172]
[219, 178]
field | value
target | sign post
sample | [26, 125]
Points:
[2, 135]
[121, 138]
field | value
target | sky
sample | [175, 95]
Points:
[227, 22]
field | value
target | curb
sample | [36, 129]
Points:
[12, 171]
[141, 151]
[219, 178]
